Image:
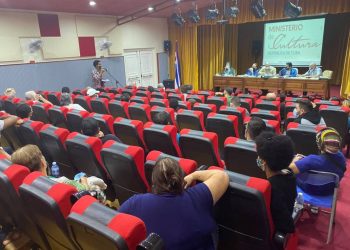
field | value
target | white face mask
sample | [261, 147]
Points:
[260, 164]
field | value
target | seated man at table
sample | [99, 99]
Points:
[313, 71]
[253, 71]
[267, 70]
[228, 70]
[289, 71]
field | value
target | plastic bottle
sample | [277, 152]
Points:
[55, 170]
[299, 202]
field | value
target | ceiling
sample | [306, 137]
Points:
[103, 7]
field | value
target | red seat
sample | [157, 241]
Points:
[159, 102]
[273, 125]
[246, 103]
[143, 93]
[190, 119]
[158, 95]
[118, 109]
[138, 99]
[205, 108]
[201, 147]
[140, 112]
[319, 102]
[198, 98]
[266, 114]
[162, 138]
[105, 122]
[217, 100]
[179, 97]
[99, 105]
[267, 105]
[155, 110]
[184, 105]
[49, 203]
[206, 94]
[28, 133]
[240, 113]
[129, 132]
[54, 98]
[113, 230]
[74, 119]
[109, 96]
[57, 116]
[124, 165]
[253, 97]
[40, 112]
[129, 91]
[83, 101]
[289, 107]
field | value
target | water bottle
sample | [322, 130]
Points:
[55, 170]
[299, 202]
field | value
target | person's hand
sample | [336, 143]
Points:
[313, 104]
[189, 180]
[84, 181]
[298, 157]
[19, 122]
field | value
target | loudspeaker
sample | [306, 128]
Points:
[167, 45]
[256, 48]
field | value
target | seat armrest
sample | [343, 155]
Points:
[281, 240]
[296, 215]
[152, 242]
[203, 167]
[335, 176]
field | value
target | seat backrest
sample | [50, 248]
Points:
[289, 107]
[266, 114]
[40, 112]
[140, 112]
[74, 119]
[113, 230]
[272, 125]
[267, 105]
[253, 97]
[108, 96]
[9, 106]
[319, 102]
[187, 165]
[190, 119]
[240, 157]
[99, 105]
[224, 126]
[84, 153]
[246, 103]
[143, 93]
[57, 116]
[83, 101]
[158, 95]
[184, 105]
[327, 74]
[304, 137]
[129, 132]
[49, 203]
[124, 165]
[179, 97]
[139, 99]
[54, 97]
[105, 122]
[162, 138]
[118, 108]
[240, 113]
[243, 214]
[201, 147]
[205, 108]
[28, 132]
[159, 102]
[53, 140]
[198, 98]
[156, 109]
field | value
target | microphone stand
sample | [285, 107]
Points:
[113, 78]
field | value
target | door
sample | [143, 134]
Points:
[132, 68]
[146, 62]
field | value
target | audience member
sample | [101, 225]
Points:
[275, 153]
[254, 128]
[192, 102]
[162, 118]
[66, 101]
[10, 92]
[32, 96]
[271, 96]
[65, 90]
[90, 127]
[92, 92]
[24, 111]
[6, 122]
[236, 102]
[289, 71]
[307, 114]
[177, 210]
[174, 104]
[160, 86]
[228, 95]
[125, 97]
[150, 89]
[282, 105]
[330, 159]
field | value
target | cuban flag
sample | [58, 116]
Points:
[177, 68]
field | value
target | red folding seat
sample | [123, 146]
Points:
[49, 204]
[40, 112]
[143, 93]
[99, 105]
[319, 102]
[57, 116]
[205, 108]
[206, 94]
[83, 101]
[74, 119]
[141, 88]
[184, 105]
[179, 97]
[113, 230]
[140, 100]
[28, 133]
[125, 166]
[246, 103]
[294, 99]
[266, 114]
[159, 102]
[12, 210]
[190, 119]
[158, 95]
[109, 96]
[155, 110]
[240, 157]
[267, 105]
[53, 140]
[240, 113]
[201, 147]
[173, 91]
[187, 165]
[253, 97]
[105, 122]
[129, 132]
[289, 107]
[224, 126]
[11, 134]
[10, 105]
[140, 112]
[244, 218]
[304, 137]
[117, 97]
[273, 125]
[54, 98]
[129, 91]
[118, 109]
[84, 152]
[217, 100]
[162, 138]
[198, 98]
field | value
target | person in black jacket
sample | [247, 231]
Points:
[90, 127]
[307, 114]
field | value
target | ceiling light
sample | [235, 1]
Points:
[178, 1]
[178, 19]
[193, 15]
[212, 13]
[257, 7]
[150, 8]
[233, 10]
[292, 10]
[92, 3]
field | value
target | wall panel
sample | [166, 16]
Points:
[10, 49]
[60, 47]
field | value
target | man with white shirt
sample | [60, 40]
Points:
[313, 71]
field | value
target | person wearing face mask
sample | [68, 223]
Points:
[253, 71]
[267, 70]
[275, 153]
[228, 70]
[313, 71]
[288, 71]
[307, 114]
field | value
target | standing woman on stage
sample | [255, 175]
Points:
[97, 74]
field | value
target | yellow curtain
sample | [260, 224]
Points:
[231, 45]
[345, 86]
[210, 53]
[187, 46]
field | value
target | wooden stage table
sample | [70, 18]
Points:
[319, 86]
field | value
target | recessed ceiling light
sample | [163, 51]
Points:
[92, 3]
[178, 1]
[150, 8]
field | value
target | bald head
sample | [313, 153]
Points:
[271, 97]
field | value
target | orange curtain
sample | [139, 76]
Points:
[231, 45]
[345, 87]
